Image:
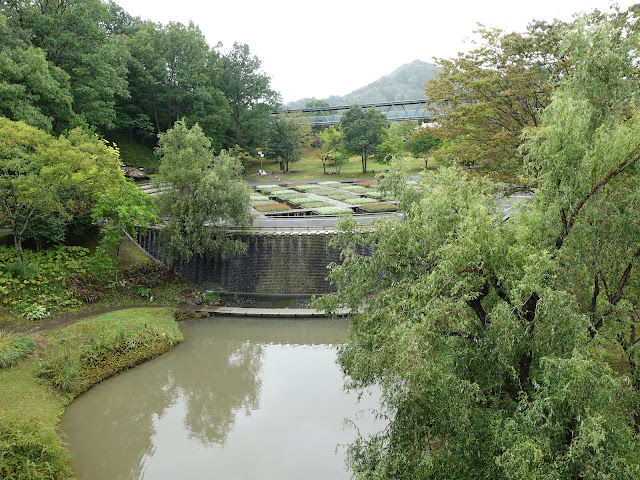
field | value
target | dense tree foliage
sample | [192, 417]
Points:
[87, 62]
[363, 130]
[202, 191]
[287, 139]
[250, 97]
[509, 349]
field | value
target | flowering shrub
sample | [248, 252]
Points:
[357, 200]
[354, 188]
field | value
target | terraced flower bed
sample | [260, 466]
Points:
[354, 188]
[359, 200]
[378, 207]
[332, 210]
[272, 207]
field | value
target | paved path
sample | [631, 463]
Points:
[266, 312]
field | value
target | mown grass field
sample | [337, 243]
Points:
[309, 167]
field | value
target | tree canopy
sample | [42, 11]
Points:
[363, 131]
[509, 349]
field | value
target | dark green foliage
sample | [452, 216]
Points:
[13, 348]
[363, 131]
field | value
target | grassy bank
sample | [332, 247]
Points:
[66, 362]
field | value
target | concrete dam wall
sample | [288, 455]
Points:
[276, 263]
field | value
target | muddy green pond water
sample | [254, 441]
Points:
[240, 398]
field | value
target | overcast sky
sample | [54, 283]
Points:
[331, 47]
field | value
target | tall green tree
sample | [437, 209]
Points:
[487, 96]
[363, 130]
[333, 154]
[74, 37]
[509, 349]
[203, 191]
[172, 75]
[288, 138]
[421, 143]
[250, 97]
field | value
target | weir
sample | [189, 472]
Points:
[276, 263]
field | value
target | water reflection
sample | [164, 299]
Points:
[236, 398]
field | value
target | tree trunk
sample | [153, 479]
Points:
[364, 160]
[17, 241]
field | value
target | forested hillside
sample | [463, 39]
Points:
[89, 64]
[404, 83]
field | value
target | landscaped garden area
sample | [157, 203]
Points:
[322, 198]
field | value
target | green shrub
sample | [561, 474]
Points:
[35, 312]
[13, 348]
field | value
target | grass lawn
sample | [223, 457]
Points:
[74, 357]
[310, 168]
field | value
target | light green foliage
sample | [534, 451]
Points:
[393, 143]
[332, 210]
[363, 130]
[203, 192]
[510, 349]
[287, 140]
[125, 207]
[333, 154]
[46, 180]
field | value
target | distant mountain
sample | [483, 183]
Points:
[404, 83]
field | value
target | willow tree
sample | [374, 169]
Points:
[202, 194]
[510, 349]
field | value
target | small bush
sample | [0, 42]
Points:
[146, 275]
[13, 348]
[35, 312]
[86, 289]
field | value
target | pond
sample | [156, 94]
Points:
[239, 398]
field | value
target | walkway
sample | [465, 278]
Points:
[266, 312]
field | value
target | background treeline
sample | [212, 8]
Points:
[69, 63]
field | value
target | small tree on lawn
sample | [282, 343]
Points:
[363, 131]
